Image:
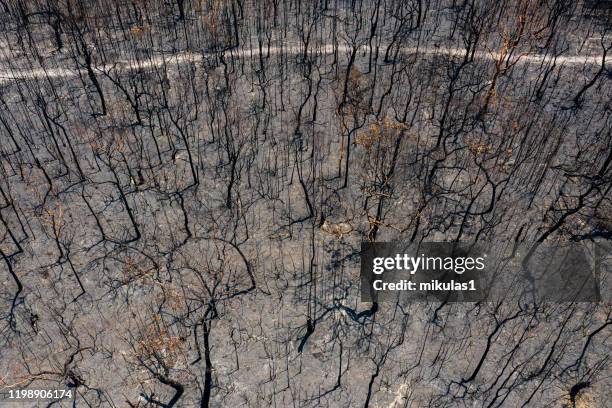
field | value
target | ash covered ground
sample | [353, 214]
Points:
[185, 187]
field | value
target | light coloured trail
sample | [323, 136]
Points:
[11, 74]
